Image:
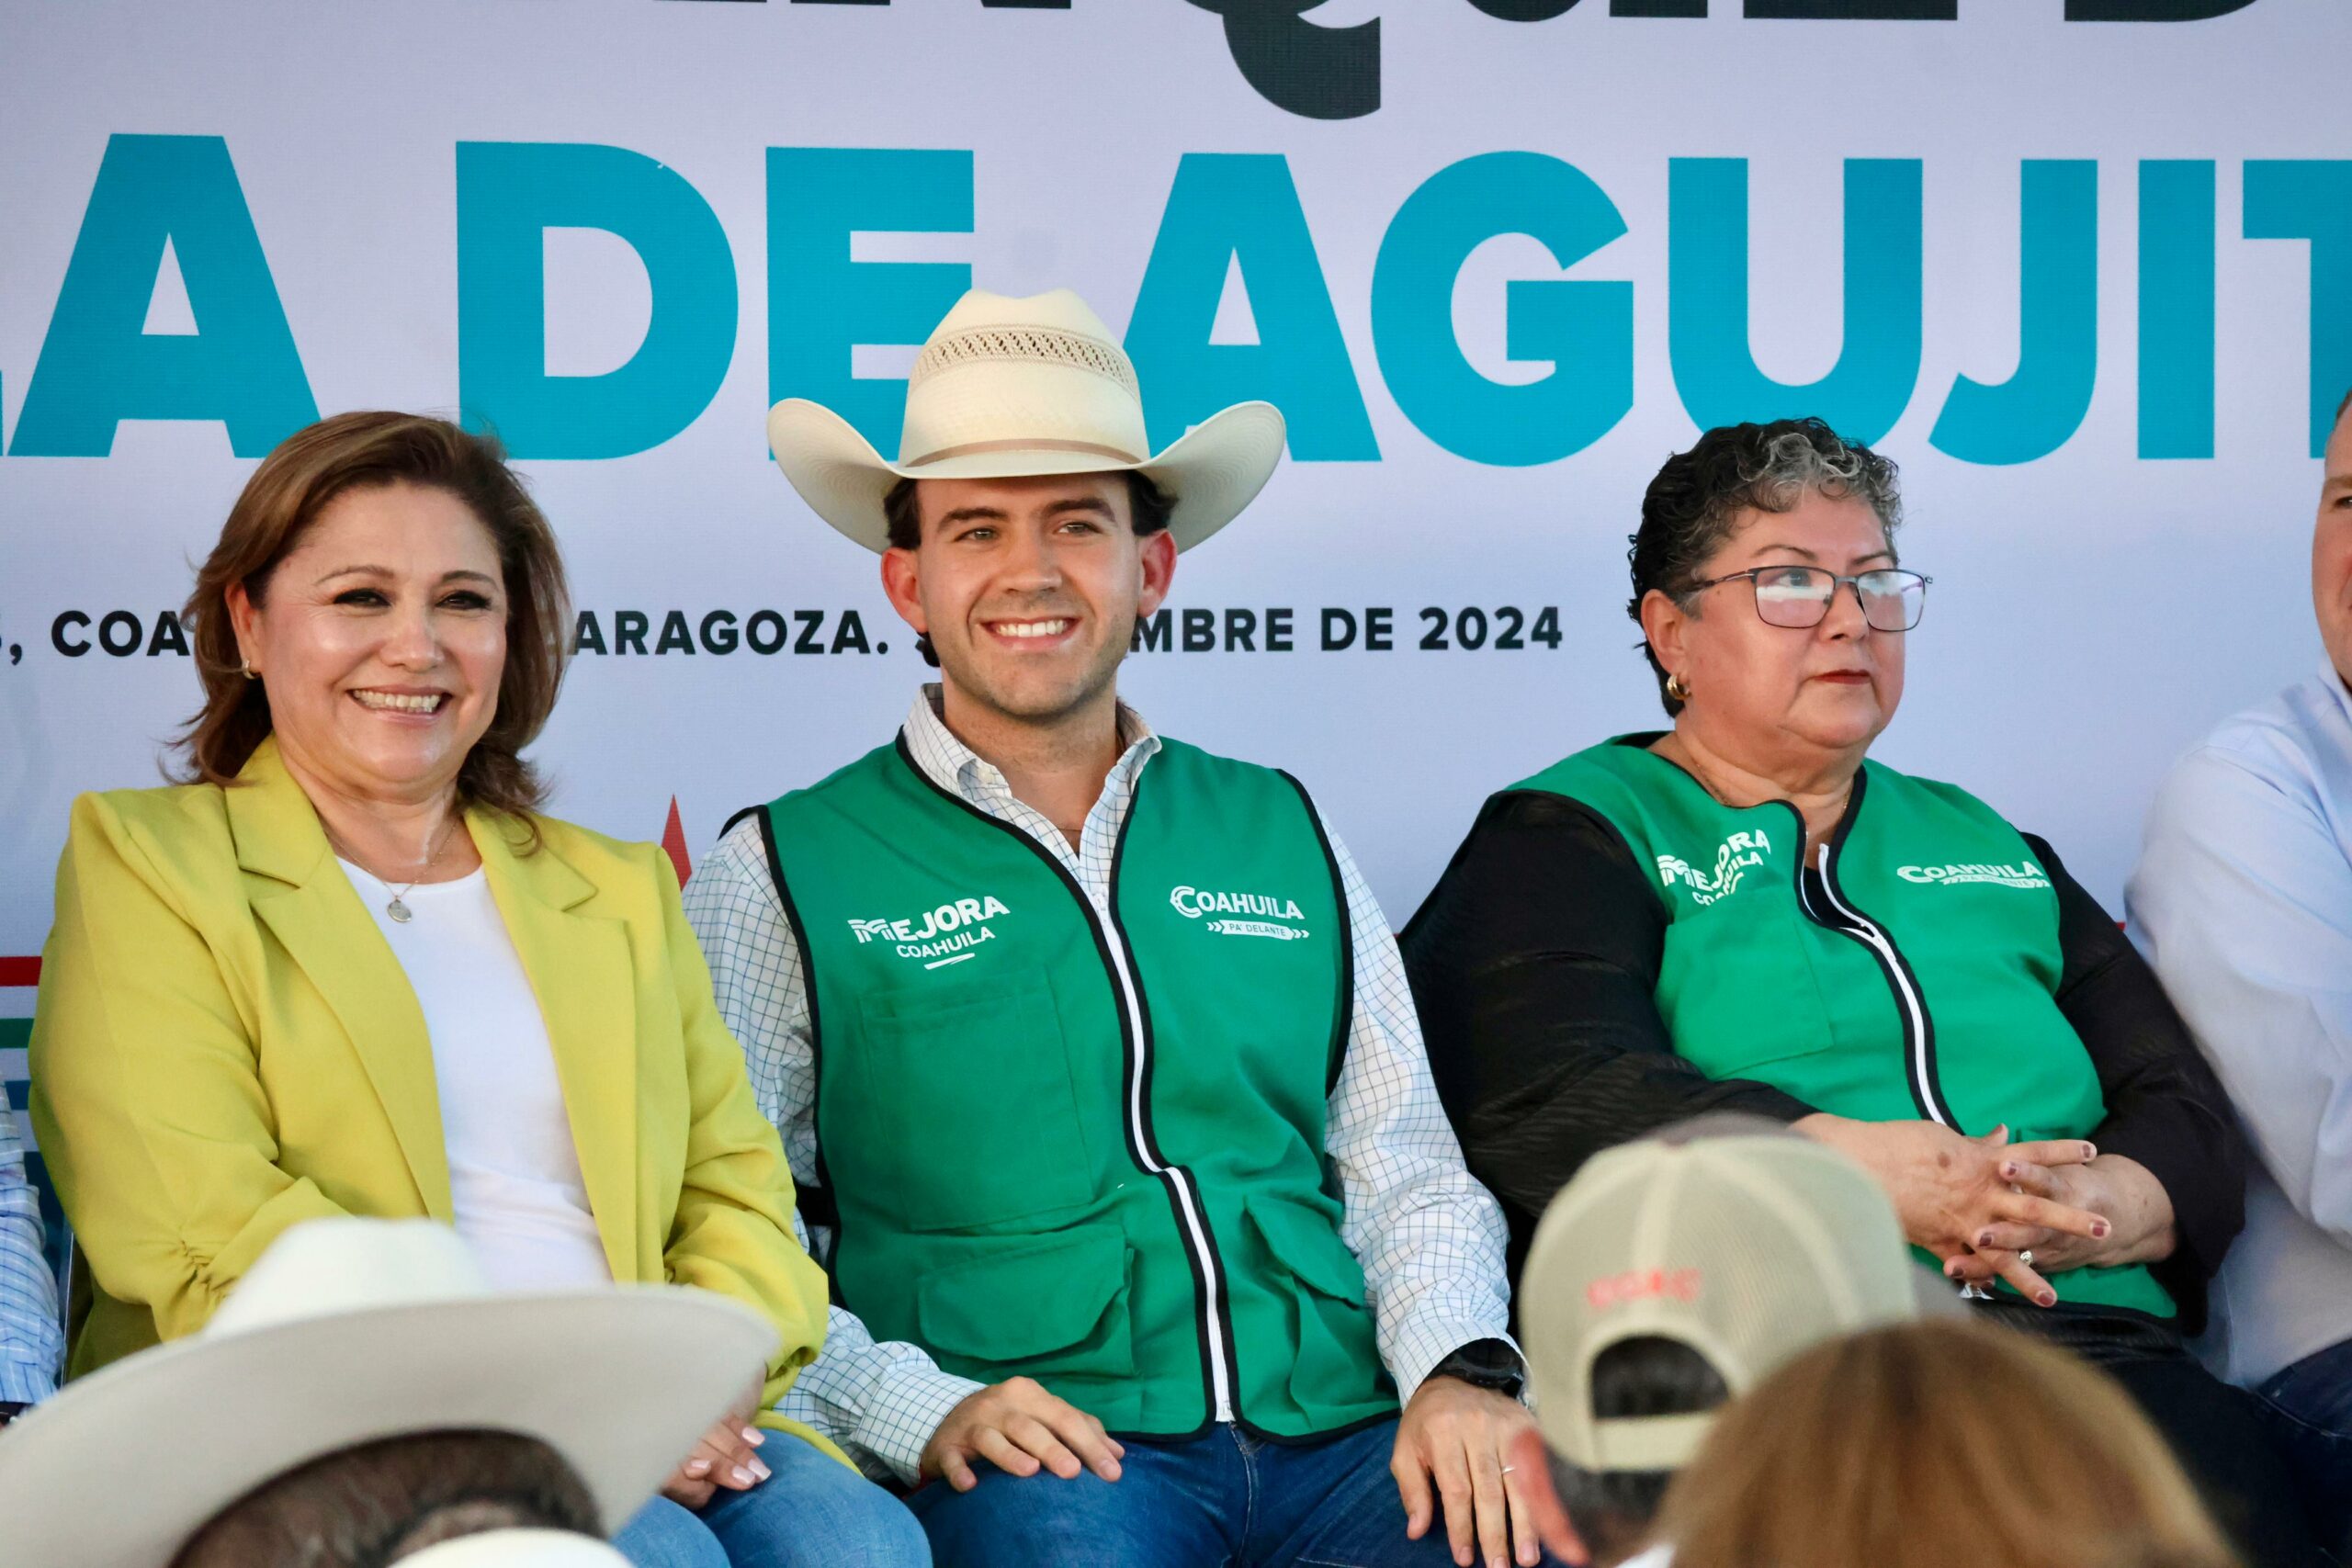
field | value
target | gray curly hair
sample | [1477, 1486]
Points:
[1691, 506]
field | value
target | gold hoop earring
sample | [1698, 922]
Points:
[246, 668]
[1677, 690]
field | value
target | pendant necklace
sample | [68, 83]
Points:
[397, 907]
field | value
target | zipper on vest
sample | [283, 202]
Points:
[1918, 1032]
[1136, 1025]
[1178, 1180]
[1911, 1004]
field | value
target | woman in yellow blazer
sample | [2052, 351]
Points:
[350, 968]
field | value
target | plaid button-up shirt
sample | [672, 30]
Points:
[1429, 1238]
[31, 1344]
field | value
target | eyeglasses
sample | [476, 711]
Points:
[1798, 597]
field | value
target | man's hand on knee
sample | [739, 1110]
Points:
[1461, 1438]
[1018, 1426]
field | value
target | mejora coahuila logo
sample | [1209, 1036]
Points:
[1242, 914]
[1733, 857]
[940, 936]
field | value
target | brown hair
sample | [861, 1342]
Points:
[1929, 1444]
[1148, 510]
[284, 496]
[382, 1501]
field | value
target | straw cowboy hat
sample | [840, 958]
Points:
[348, 1331]
[1011, 389]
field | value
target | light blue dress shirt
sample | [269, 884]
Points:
[2243, 902]
[31, 1344]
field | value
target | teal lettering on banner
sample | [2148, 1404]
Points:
[1707, 304]
[2312, 200]
[2038, 409]
[98, 365]
[509, 194]
[1585, 329]
[821, 304]
[2176, 245]
[1229, 207]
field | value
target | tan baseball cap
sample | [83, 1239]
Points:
[1746, 1246]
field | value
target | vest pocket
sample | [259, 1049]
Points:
[1050, 1307]
[972, 1092]
[1332, 1327]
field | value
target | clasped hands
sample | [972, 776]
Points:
[1984, 1205]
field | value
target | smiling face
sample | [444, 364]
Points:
[1029, 590]
[1767, 695]
[380, 638]
[2332, 550]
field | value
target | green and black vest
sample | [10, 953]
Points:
[1080, 1143]
[1914, 976]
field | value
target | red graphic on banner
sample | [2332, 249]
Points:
[674, 840]
[20, 971]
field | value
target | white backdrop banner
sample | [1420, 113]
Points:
[2083, 266]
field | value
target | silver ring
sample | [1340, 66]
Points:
[2026, 1258]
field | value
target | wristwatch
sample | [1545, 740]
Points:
[1485, 1363]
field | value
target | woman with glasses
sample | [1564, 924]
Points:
[1743, 913]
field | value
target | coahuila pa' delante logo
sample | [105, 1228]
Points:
[1733, 857]
[2025, 874]
[1263, 914]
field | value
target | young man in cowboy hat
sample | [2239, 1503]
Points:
[1090, 1049]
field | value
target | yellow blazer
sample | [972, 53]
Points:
[224, 1045]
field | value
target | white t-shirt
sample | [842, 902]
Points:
[513, 1175]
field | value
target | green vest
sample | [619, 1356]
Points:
[1084, 1144]
[1916, 978]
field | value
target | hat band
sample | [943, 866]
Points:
[1650, 1442]
[975, 448]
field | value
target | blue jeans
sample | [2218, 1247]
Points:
[811, 1512]
[1223, 1498]
[2310, 1406]
[2217, 1432]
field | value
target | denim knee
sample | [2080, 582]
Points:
[1043, 1521]
[664, 1535]
[814, 1512]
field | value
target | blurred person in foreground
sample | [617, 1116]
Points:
[368, 1398]
[1746, 912]
[352, 967]
[1935, 1445]
[2243, 902]
[1672, 1275]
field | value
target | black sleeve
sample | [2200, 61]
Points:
[1534, 967]
[2165, 1107]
